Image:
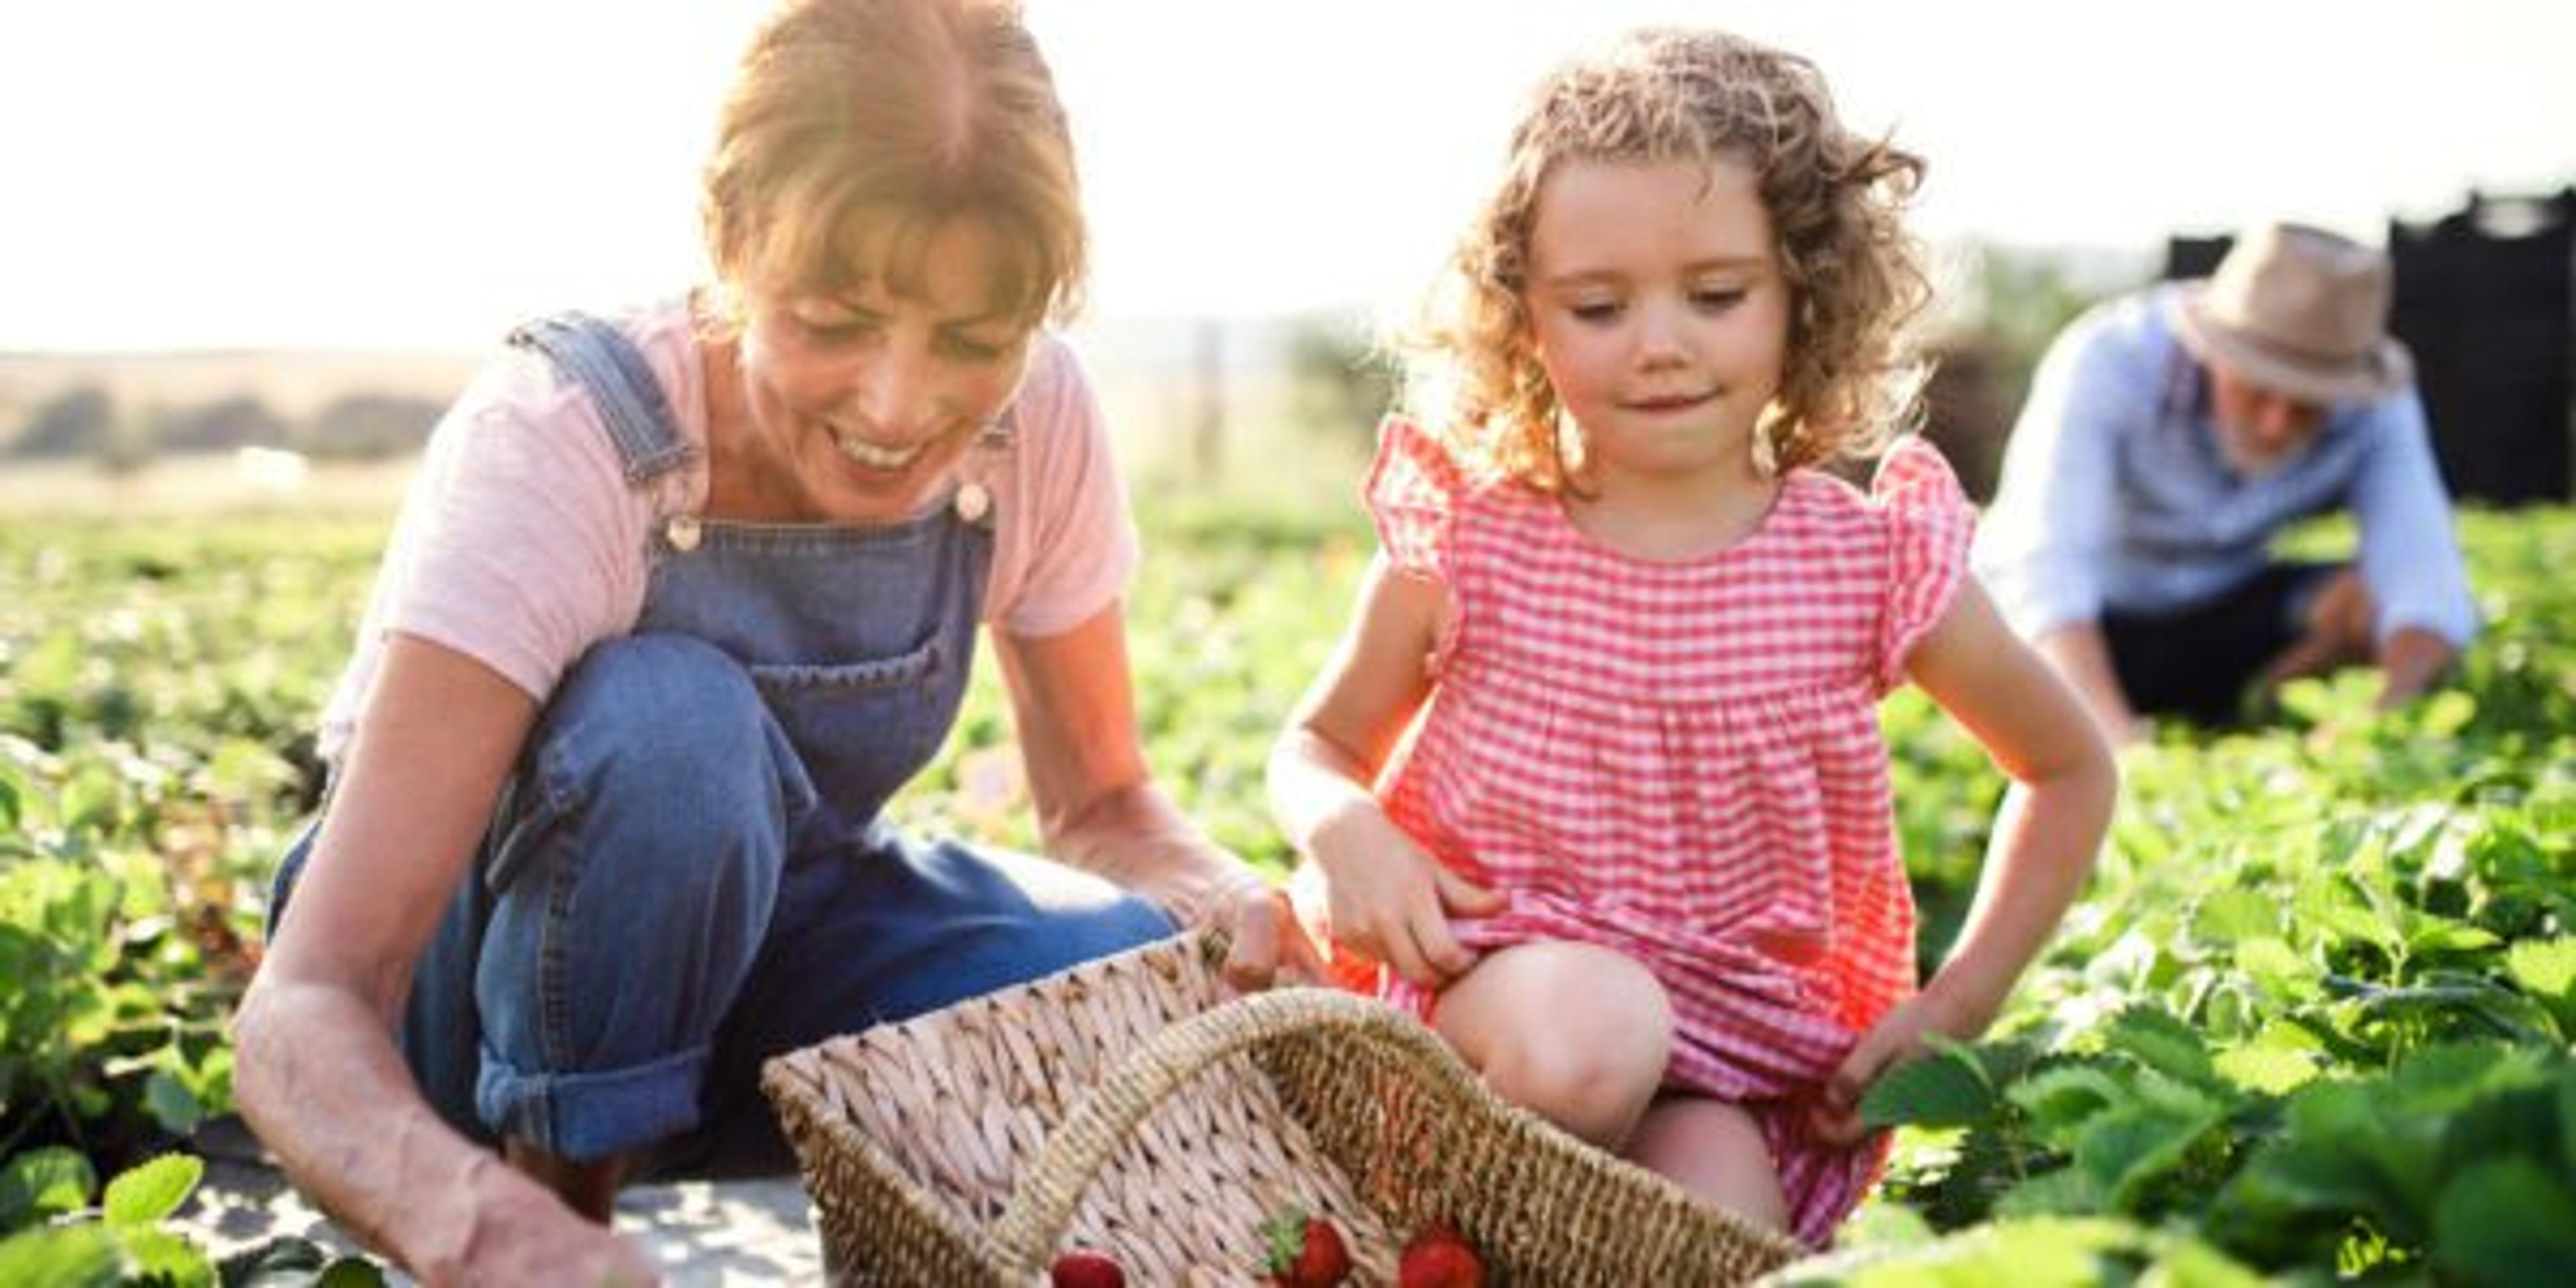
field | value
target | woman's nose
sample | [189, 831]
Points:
[891, 391]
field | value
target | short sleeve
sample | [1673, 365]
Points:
[1929, 524]
[1414, 492]
[1067, 546]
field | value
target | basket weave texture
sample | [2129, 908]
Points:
[1138, 1106]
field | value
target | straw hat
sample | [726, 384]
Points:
[2300, 311]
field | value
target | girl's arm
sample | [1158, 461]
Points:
[317, 1074]
[1074, 708]
[2064, 783]
[1388, 899]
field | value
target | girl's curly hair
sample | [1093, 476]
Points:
[1836, 200]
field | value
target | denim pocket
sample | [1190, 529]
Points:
[791, 681]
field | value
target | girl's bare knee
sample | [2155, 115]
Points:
[1575, 1033]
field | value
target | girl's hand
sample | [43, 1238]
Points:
[1390, 901]
[1834, 1114]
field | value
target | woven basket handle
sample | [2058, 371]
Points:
[1076, 1151]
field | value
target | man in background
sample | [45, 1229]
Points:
[2171, 434]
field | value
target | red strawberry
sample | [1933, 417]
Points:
[1305, 1251]
[1083, 1268]
[1439, 1258]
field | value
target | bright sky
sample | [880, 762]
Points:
[352, 173]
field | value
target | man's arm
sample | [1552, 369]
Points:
[2410, 561]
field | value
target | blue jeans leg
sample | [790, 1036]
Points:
[656, 913]
[632, 884]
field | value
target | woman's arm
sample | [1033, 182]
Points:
[1074, 707]
[1388, 899]
[2045, 836]
[317, 1073]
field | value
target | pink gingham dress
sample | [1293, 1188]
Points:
[1682, 761]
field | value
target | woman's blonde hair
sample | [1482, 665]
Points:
[1836, 201]
[857, 129]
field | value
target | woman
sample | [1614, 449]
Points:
[678, 600]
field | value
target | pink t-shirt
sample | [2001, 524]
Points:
[521, 544]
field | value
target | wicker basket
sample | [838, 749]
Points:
[1138, 1106]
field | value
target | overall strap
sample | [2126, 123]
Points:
[599, 357]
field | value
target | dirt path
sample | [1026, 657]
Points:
[700, 1233]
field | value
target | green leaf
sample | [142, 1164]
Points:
[2130, 1148]
[76, 1256]
[161, 1258]
[150, 1192]
[2545, 968]
[2161, 1042]
[2443, 935]
[2278, 970]
[2506, 1222]
[44, 1183]
[2193, 1264]
[2234, 914]
[1944, 1088]
[170, 1104]
[2067, 1191]
[2267, 1069]
[2059, 1100]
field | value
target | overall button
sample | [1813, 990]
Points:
[682, 532]
[973, 502]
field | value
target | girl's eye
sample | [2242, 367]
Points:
[1718, 300]
[1595, 311]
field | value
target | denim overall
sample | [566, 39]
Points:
[687, 872]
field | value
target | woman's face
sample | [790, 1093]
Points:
[858, 403]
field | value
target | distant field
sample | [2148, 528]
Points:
[181, 487]
[294, 384]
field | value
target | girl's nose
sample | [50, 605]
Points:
[1659, 335]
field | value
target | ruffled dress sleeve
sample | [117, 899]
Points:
[1929, 523]
[1415, 492]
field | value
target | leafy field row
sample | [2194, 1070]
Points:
[2312, 1019]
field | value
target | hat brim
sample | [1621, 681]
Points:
[2385, 370]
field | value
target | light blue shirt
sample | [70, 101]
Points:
[2114, 494]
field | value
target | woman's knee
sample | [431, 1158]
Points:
[668, 705]
[1581, 1034]
[665, 726]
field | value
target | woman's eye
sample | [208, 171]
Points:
[965, 349]
[834, 330]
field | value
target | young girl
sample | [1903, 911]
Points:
[1595, 781]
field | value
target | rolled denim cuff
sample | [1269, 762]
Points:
[584, 1117]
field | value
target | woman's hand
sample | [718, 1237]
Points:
[1268, 944]
[1388, 900]
[522, 1235]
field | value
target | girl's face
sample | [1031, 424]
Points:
[1658, 311]
[857, 404]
